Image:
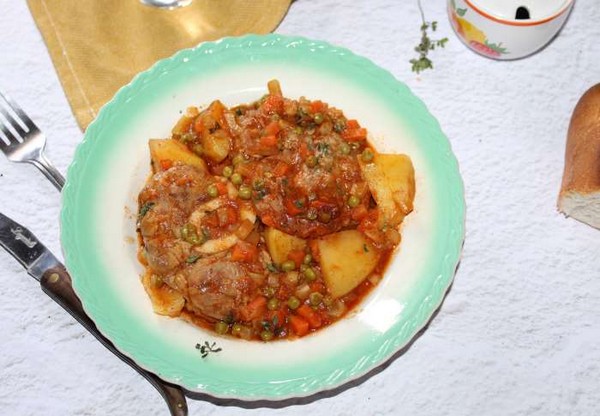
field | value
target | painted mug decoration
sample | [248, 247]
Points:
[507, 29]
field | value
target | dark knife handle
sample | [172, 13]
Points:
[56, 283]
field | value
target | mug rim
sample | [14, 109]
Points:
[514, 22]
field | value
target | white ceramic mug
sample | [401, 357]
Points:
[507, 29]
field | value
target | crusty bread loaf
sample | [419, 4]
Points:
[580, 191]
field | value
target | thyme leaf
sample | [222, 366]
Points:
[192, 258]
[144, 209]
[423, 62]
[208, 348]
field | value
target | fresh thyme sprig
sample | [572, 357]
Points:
[207, 348]
[423, 62]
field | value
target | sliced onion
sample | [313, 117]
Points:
[273, 280]
[222, 215]
[234, 127]
[217, 245]
[244, 229]
[303, 291]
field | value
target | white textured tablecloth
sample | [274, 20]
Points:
[519, 334]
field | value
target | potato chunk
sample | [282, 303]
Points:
[280, 244]
[391, 180]
[401, 178]
[165, 300]
[346, 259]
[211, 127]
[165, 152]
[215, 146]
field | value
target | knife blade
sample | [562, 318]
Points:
[26, 248]
[56, 283]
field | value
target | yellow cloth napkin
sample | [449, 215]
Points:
[97, 46]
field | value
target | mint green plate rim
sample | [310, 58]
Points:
[75, 217]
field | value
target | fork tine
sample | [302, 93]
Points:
[21, 115]
[12, 122]
[18, 110]
[24, 143]
[9, 135]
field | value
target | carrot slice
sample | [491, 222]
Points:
[268, 141]
[291, 207]
[359, 213]
[221, 188]
[303, 150]
[354, 135]
[232, 216]
[313, 318]
[273, 104]
[255, 309]
[281, 169]
[166, 164]
[244, 252]
[317, 106]
[317, 287]
[268, 220]
[297, 256]
[299, 325]
[272, 128]
[352, 124]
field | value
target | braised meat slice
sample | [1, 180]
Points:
[215, 288]
[169, 198]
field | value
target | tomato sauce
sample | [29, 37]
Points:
[231, 223]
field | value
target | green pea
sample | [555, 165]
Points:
[310, 274]
[293, 303]
[205, 235]
[237, 159]
[345, 148]
[266, 335]
[212, 191]
[186, 230]
[273, 304]
[221, 327]
[227, 171]
[269, 291]
[197, 148]
[324, 217]
[236, 329]
[353, 201]
[186, 137]
[245, 192]
[311, 161]
[315, 298]
[339, 126]
[307, 259]
[318, 118]
[190, 234]
[258, 184]
[288, 266]
[236, 179]
[367, 155]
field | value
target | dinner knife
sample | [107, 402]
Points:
[55, 281]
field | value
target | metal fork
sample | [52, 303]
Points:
[26, 143]
[23, 141]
